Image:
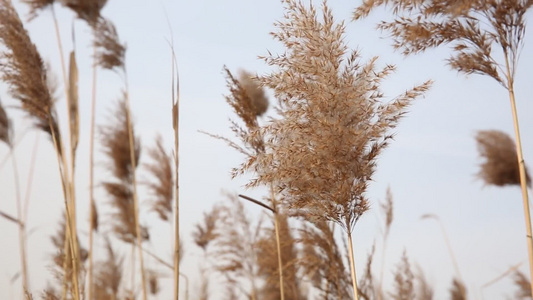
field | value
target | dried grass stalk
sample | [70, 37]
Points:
[73, 104]
[500, 166]
[162, 186]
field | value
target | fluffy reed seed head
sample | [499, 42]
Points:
[162, 186]
[108, 275]
[404, 287]
[322, 260]
[205, 233]
[119, 187]
[22, 68]
[321, 152]
[267, 260]
[458, 290]
[6, 130]
[523, 286]
[500, 166]
[36, 6]
[471, 27]
[255, 94]
[87, 10]
[110, 52]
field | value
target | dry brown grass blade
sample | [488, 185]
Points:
[500, 166]
[162, 186]
[73, 103]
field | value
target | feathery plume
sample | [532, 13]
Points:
[403, 280]
[235, 252]
[267, 260]
[523, 284]
[255, 95]
[36, 6]
[108, 275]
[22, 68]
[115, 140]
[322, 260]
[161, 188]
[205, 233]
[110, 52]
[458, 290]
[500, 166]
[87, 10]
[6, 130]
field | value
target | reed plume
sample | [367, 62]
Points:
[63, 267]
[162, 186]
[87, 10]
[110, 53]
[206, 233]
[268, 263]
[23, 70]
[115, 141]
[500, 166]
[425, 290]
[404, 286]
[36, 6]
[235, 252]
[6, 129]
[321, 260]
[254, 95]
[523, 286]
[458, 290]
[322, 151]
[108, 275]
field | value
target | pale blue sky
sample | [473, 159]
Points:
[430, 166]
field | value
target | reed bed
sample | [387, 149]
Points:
[311, 131]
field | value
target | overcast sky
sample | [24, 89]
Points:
[430, 166]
